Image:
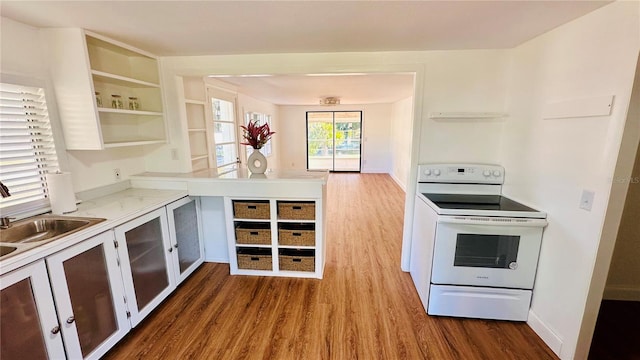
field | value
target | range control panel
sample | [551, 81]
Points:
[461, 173]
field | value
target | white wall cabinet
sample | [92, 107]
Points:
[28, 321]
[87, 287]
[185, 230]
[83, 64]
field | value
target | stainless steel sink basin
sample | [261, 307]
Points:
[44, 228]
[6, 250]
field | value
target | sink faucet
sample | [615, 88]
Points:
[5, 221]
[4, 190]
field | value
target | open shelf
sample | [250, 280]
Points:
[114, 79]
[128, 112]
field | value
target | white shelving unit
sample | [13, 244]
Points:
[83, 63]
[194, 113]
[273, 249]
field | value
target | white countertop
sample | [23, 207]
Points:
[242, 174]
[239, 183]
[117, 208]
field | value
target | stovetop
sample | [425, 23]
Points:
[480, 205]
[479, 202]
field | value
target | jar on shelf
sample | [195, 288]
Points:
[98, 99]
[116, 101]
[134, 104]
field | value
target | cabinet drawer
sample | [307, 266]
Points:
[299, 210]
[251, 209]
[254, 259]
[297, 260]
[253, 233]
[297, 234]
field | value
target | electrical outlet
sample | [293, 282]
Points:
[174, 154]
[586, 201]
[116, 174]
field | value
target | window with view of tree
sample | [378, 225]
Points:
[27, 150]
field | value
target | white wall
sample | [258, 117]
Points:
[550, 162]
[376, 119]
[401, 118]
[458, 81]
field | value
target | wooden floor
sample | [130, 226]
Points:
[364, 308]
[617, 331]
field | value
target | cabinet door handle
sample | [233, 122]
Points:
[71, 319]
[56, 329]
[170, 249]
[175, 246]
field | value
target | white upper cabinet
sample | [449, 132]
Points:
[108, 93]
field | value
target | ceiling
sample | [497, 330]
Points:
[169, 28]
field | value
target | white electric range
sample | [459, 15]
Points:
[485, 245]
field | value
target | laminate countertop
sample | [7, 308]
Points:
[117, 208]
[239, 183]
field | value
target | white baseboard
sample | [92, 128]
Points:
[546, 334]
[374, 171]
[393, 176]
[217, 260]
[625, 293]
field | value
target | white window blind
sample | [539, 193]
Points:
[27, 150]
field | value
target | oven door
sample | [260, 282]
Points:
[496, 252]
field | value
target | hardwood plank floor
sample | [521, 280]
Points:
[617, 331]
[364, 308]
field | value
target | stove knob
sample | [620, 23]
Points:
[427, 172]
[486, 173]
[436, 172]
[496, 173]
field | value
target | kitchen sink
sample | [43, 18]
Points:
[6, 250]
[41, 229]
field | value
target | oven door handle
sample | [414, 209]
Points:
[492, 221]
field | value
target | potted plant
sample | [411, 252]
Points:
[256, 136]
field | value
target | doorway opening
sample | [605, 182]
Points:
[334, 140]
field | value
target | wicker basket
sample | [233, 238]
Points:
[253, 233]
[251, 210]
[297, 234]
[297, 260]
[297, 210]
[254, 259]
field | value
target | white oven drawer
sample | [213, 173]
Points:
[481, 303]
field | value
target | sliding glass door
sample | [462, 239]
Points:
[334, 140]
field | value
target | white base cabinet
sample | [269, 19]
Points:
[28, 323]
[87, 288]
[157, 251]
[185, 230]
[79, 302]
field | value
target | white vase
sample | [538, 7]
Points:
[257, 163]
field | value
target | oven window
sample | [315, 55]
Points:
[488, 251]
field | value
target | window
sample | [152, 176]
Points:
[27, 150]
[260, 119]
[224, 135]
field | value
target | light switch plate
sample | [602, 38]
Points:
[586, 201]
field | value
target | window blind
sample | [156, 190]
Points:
[27, 150]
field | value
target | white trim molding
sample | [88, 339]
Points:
[546, 334]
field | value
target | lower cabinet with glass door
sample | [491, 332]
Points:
[157, 251]
[29, 327]
[102, 286]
